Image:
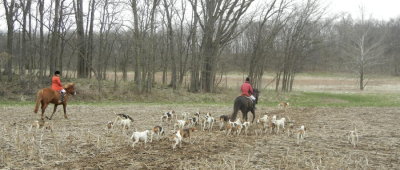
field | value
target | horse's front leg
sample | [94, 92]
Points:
[65, 110]
[54, 111]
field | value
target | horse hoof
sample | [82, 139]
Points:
[48, 118]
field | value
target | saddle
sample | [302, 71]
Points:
[248, 97]
[253, 102]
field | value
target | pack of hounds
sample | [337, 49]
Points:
[188, 123]
[185, 124]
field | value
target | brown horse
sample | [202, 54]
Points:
[47, 95]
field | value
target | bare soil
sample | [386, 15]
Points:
[83, 141]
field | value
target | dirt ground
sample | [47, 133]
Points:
[83, 141]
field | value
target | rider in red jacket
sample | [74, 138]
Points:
[247, 90]
[56, 84]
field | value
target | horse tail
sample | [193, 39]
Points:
[236, 107]
[38, 99]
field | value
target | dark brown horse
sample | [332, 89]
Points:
[47, 95]
[245, 105]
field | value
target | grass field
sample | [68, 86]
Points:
[268, 98]
[328, 105]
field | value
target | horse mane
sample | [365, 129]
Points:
[69, 85]
[256, 91]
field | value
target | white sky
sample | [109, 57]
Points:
[378, 9]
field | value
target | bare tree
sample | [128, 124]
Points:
[136, 44]
[169, 13]
[82, 67]
[41, 38]
[11, 9]
[195, 66]
[262, 35]
[219, 20]
[26, 6]
[55, 40]
[90, 42]
[143, 36]
[183, 42]
[296, 41]
[365, 46]
[393, 45]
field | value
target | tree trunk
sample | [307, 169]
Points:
[171, 49]
[41, 39]
[22, 62]
[195, 76]
[90, 38]
[362, 77]
[136, 46]
[54, 45]
[82, 62]
[9, 11]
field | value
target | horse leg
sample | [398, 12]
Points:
[245, 115]
[254, 115]
[44, 106]
[65, 110]
[234, 114]
[54, 111]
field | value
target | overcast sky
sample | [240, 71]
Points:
[379, 9]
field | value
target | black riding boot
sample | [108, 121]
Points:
[62, 97]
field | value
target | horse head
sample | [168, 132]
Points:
[256, 93]
[70, 88]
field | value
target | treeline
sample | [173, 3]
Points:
[198, 39]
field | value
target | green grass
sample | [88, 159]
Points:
[268, 98]
[316, 99]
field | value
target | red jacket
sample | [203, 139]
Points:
[56, 83]
[246, 88]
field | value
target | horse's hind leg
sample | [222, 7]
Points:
[65, 110]
[44, 106]
[234, 114]
[245, 114]
[54, 111]
[254, 115]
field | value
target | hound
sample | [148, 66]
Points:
[301, 132]
[124, 120]
[177, 139]
[209, 122]
[283, 105]
[158, 130]
[186, 132]
[223, 119]
[180, 124]
[168, 116]
[140, 136]
[352, 137]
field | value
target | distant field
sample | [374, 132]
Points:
[312, 82]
